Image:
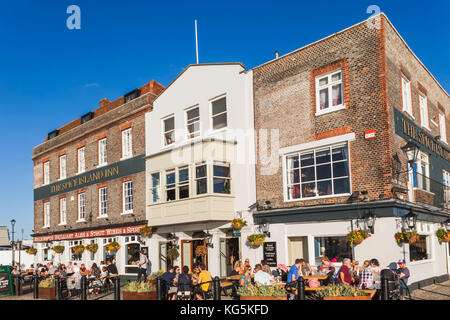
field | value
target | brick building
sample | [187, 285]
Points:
[89, 183]
[331, 119]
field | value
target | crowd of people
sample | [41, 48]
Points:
[97, 275]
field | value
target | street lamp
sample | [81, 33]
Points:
[265, 229]
[411, 151]
[13, 222]
[369, 218]
[411, 219]
[208, 240]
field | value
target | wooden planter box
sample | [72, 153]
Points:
[262, 298]
[349, 298]
[47, 293]
[139, 295]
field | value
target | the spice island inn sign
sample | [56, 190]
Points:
[410, 131]
[89, 234]
[99, 175]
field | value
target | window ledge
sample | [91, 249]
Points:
[217, 131]
[60, 179]
[320, 197]
[431, 193]
[433, 122]
[102, 165]
[46, 227]
[407, 112]
[329, 110]
[127, 213]
[102, 217]
[62, 224]
[127, 157]
[414, 263]
[82, 220]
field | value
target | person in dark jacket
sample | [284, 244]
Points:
[111, 267]
[184, 282]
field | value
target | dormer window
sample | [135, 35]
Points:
[52, 134]
[131, 95]
[87, 117]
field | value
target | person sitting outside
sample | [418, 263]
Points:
[238, 268]
[403, 276]
[355, 271]
[205, 279]
[246, 279]
[294, 271]
[83, 270]
[168, 278]
[344, 274]
[112, 269]
[327, 268]
[366, 280]
[262, 277]
[305, 268]
[184, 282]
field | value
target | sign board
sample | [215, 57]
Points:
[369, 134]
[5, 280]
[236, 233]
[270, 253]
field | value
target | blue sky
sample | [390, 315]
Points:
[50, 75]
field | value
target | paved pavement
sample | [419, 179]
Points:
[434, 292]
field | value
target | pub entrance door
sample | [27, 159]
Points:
[188, 257]
[229, 254]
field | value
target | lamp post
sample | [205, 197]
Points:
[411, 151]
[13, 222]
[208, 240]
[369, 218]
[411, 219]
[265, 229]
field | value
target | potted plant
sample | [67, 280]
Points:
[443, 235]
[274, 292]
[152, 277]
[341, 292]
[406, 237]
[357, 236]
[256, 239]
[112, 246]
[201, 251]
[172, 253]
[58, 249]
[238, 223]
[79, 249]
[146, 231]
[31, 251]
[92, 247]
[47, 289]
[135, 290]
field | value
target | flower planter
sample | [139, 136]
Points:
[262, 298]
[358, 241]
[139, 295]
[47, 293]
[257, 243]
[237, 227]
[349, 298]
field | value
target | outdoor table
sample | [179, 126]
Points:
[318, 277]
[235, 277]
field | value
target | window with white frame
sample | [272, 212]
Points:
[170, 185]
[127, 190]
[62, 211]
[201, 178]
[127, 146]
[193, 122]
[102, 154]
[169, 130]
[317, 173]
[221, 177]
[219, 113]
[103, 202]
[62, 167]
[329, 92]
[183, 182]
[421, 172]
[46, 214]
[446, 187]
[443, 127]
[406, 95]
[81, 160]
[423, 105]
[421, 249]
[92, 254]
[47, 172]
[81, 206]
[155, 187]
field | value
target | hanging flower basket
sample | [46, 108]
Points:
[92, 247]
[172, 253]
[407, 237]
[79, 249]
[201, 251]
[112, 246]
[31, 251]
[238, 223]
[146, 231]
[357, 237]
[58, 249]
[256, 240]
[443, 235]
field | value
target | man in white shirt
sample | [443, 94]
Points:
[261, 277]
[143, 263]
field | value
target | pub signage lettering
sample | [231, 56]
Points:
[5, 280]
[404, 127]
[89, 234]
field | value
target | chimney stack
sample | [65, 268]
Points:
[276, 54]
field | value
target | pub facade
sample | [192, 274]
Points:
[363, 145]
[89, 185]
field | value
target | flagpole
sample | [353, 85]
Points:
[196, 41]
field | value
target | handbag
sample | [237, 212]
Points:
[313, 283]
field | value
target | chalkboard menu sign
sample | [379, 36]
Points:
[5, 280]
[270, 253]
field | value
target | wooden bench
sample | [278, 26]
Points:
[371, 292]
[226, 284]
[314, 289]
